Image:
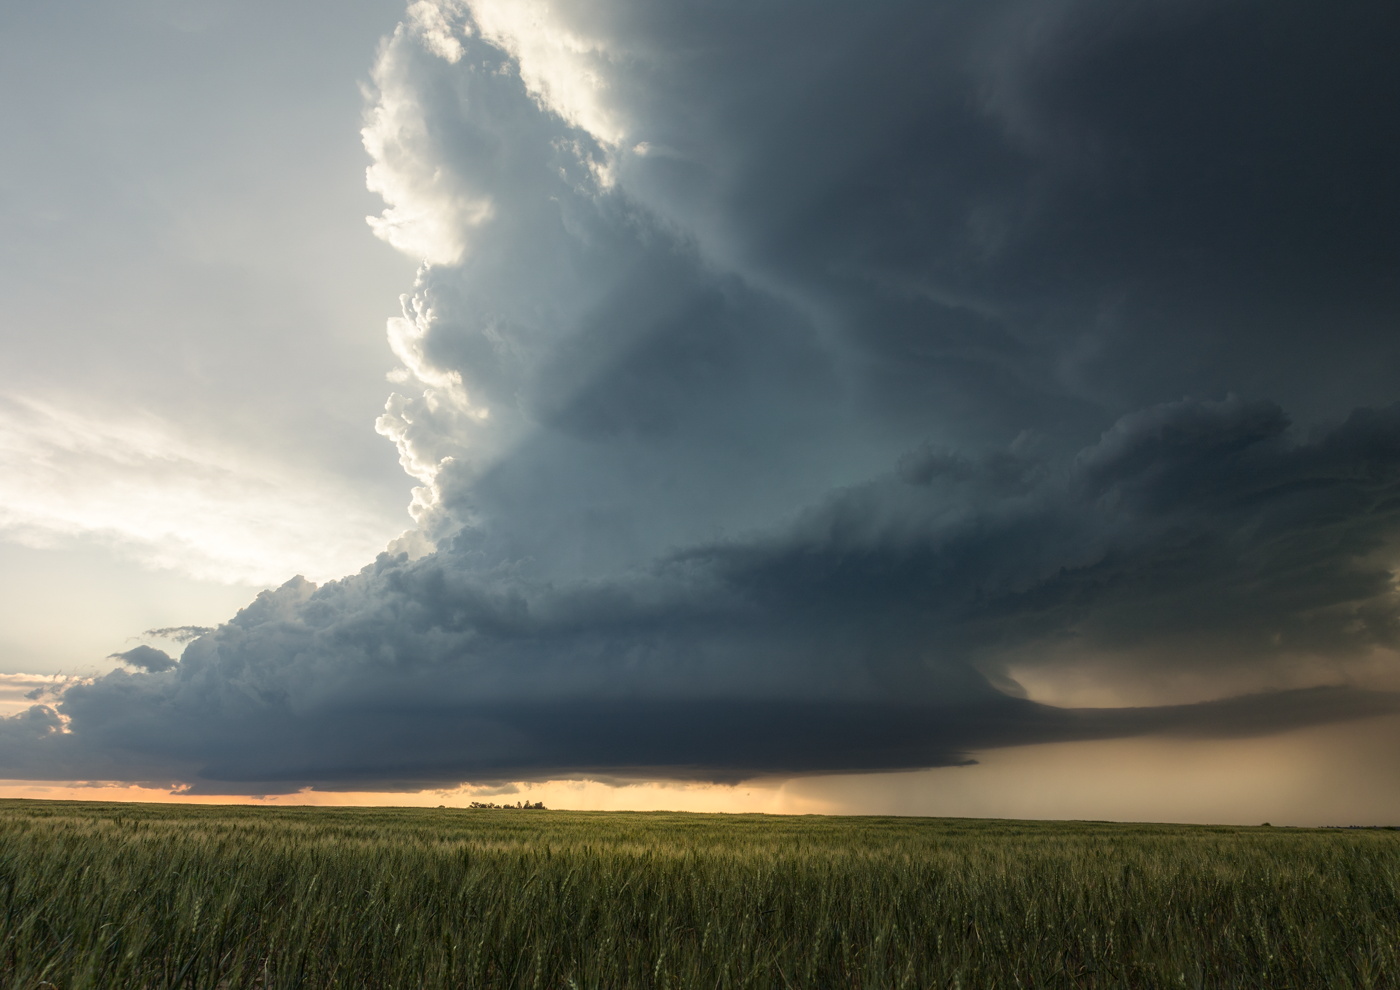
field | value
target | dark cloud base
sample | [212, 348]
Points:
[715, 742]
[729, 742]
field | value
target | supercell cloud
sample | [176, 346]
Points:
[781, 380]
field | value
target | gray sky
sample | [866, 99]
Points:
[787, 390]
[192, 345]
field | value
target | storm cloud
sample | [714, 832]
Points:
[865, 634]
[780, 380]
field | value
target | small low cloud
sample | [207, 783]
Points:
[178, 634]
[147, 658]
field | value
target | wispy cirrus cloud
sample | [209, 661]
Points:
[169, 500]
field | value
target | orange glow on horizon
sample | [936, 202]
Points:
[769, 797]
[1346, 774]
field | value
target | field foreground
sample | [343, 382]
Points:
[155, 896]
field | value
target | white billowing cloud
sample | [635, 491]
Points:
[437, 211]
[170, 501]
[505, 285]
[565, 70]
[406, 334]
[433, 430]
[432, 23]
[431, 213]
[428, 431]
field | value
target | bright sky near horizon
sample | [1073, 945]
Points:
[915, 408]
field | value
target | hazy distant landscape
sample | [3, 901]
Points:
[152, 896]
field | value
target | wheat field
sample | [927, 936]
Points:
[159, 896]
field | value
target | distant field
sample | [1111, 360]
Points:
[153, 896]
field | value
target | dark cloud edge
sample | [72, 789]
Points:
[698, 742]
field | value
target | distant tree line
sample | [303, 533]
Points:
[523, 806]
